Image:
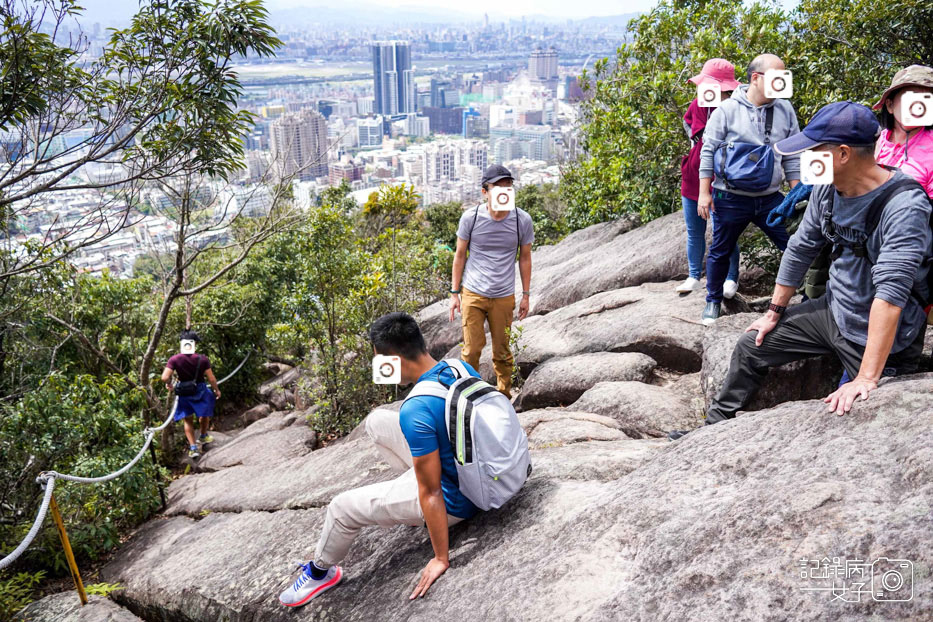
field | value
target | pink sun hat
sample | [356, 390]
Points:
[717, 70]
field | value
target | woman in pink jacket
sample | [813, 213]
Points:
[721, 72]
[904, 143]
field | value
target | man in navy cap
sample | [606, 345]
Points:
[483, 281]
[877, 220]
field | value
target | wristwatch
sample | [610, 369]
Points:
[528, 293]
[777, 308]
[455, 291]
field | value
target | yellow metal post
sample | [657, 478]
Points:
[75, 575]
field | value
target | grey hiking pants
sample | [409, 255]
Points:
[806, 330]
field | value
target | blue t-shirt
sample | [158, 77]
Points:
[425, 429]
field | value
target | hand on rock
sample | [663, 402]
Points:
[435, 568]
[840, 401]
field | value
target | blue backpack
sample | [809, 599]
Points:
[746, 166]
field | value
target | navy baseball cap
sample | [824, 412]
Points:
[839, 123]
[495, 173]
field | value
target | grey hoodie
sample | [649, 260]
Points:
[738, 120]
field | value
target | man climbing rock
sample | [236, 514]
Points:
[877, 220]
[413, 442]
[483, 279]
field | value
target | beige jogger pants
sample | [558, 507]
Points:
[386, 504]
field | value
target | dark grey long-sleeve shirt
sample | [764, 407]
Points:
[900, 248]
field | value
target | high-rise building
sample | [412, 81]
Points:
[393, 78]
[299, 145]
[351, 171]
[446, 160]
[364, 105]
[445, 120]
[542, 67]
[369, 132]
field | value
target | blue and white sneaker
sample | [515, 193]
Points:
[306, 587]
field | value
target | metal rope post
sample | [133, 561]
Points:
[69, 555]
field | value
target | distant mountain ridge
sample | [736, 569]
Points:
[118, 14]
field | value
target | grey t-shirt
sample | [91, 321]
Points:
[490, 266]
[900, 247]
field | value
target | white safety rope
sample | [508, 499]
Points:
[47, 479]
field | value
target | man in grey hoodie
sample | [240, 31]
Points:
[871, 316]
[743, 119]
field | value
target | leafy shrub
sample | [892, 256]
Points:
[17, 591]
[78, 426]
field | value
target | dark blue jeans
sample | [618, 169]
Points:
[733, 213]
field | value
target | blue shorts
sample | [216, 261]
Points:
[201, 404]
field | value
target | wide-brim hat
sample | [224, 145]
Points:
[915, 75]
[720, 71]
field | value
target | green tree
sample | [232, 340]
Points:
[161, 99]
[632, 133]
[82, 426]
[443, 220]
[548, 213]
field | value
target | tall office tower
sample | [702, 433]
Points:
[299, 145]
[393, 78]
[542, 67]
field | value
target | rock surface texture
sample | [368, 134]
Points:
[66, 607]
[730, 522]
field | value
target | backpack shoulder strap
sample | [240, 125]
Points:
[769, 123]
[518, 230]
[876, 208]
[427, 387]
[473, 226]
[435, 388]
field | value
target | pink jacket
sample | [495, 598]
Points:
[919, 161]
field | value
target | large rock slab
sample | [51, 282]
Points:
[582, 241]
[652, 253]
[555, 427]
[307, 481]
[439, 332]
[711, 527]
[279, 438]
[805, 379]
[642, 410]
[594, 460]
[66, 607]
[560, 381]
[651, 319]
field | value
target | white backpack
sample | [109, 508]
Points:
[490, 446]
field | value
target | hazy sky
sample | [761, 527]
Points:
[554, 8]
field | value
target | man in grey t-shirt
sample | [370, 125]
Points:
[871, 316]
[483, 279]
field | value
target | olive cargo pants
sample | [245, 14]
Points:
[476, 310]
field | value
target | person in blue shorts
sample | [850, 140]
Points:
[189, 366]
[414, 442]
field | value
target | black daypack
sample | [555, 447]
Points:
[872, 219]
[187, 388]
